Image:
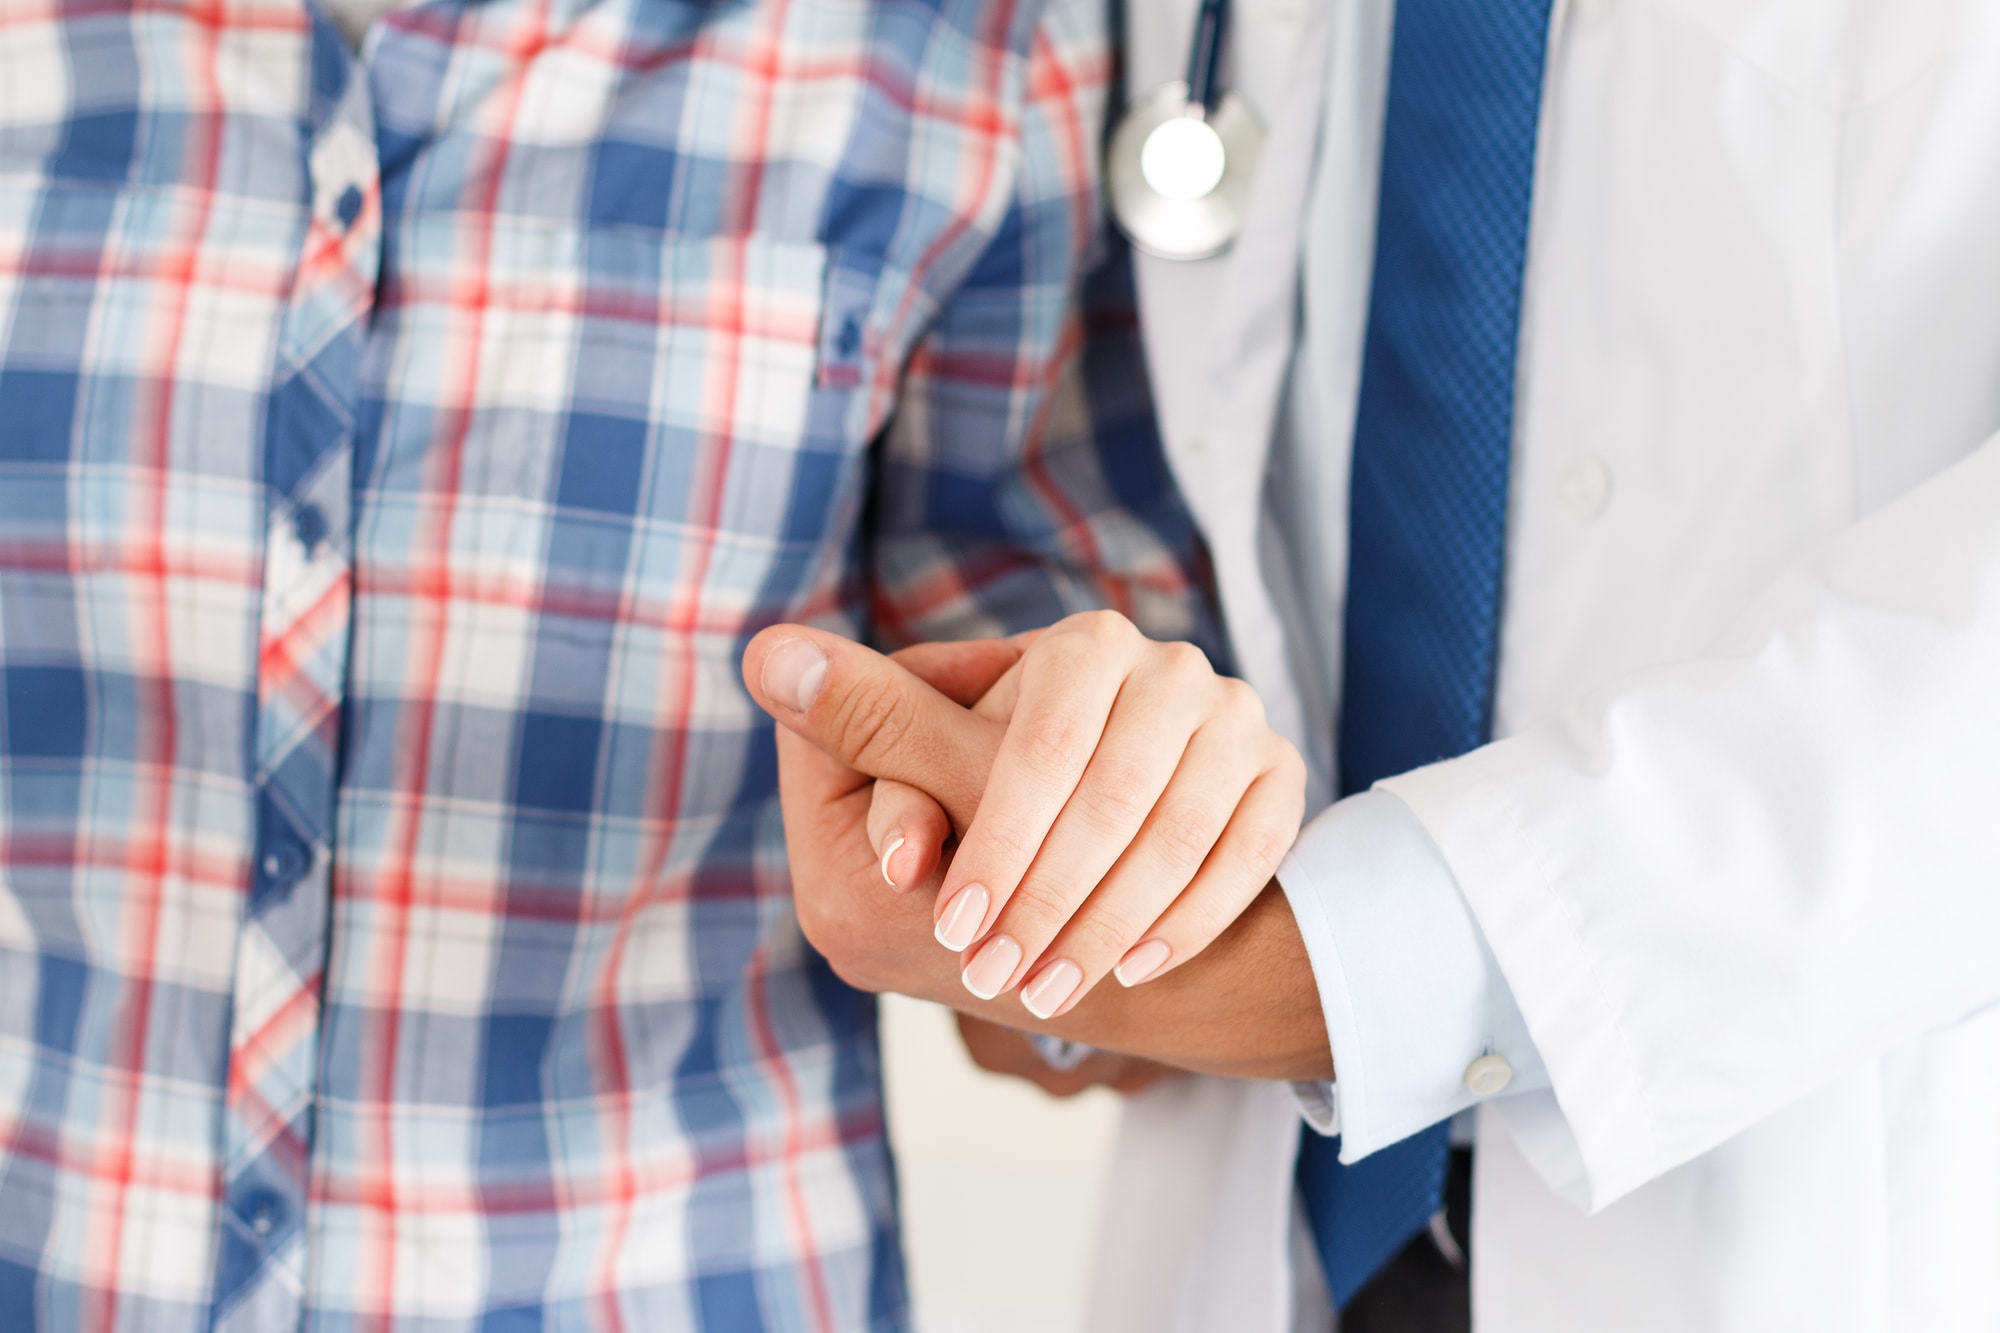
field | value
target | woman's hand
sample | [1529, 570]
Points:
[1138, 805]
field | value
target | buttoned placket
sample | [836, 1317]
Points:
[306, 623]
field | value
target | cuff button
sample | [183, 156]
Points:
[1487, 1075]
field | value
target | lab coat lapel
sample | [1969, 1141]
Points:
[1219, 333]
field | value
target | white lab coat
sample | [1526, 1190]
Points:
[1739, 856]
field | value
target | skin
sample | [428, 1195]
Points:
[1003, 1050]
[1245, 1006]
[1134, 809]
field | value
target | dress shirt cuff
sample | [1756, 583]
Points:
[1411, 991]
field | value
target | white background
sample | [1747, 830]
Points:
[1001, 1184]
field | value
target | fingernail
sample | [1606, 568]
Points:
[1051, 990]
[990, 968]
[794, 673]
[894, 845]
[1141, 962]
[959, 925]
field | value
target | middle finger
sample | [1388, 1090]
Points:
[1067, 689]
[1144, 743]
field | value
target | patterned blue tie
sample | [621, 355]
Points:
[1429, 494]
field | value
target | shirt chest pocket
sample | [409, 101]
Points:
[592, 475]
[634, 425]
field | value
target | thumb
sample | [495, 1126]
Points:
[872, 714]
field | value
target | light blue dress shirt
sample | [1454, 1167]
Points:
[1411, 992]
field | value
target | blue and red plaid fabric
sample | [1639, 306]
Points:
[396, 452]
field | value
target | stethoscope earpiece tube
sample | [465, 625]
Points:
[1205, 54]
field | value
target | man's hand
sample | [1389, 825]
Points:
[1001, 1050]
[847, 715]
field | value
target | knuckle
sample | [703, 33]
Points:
[1184, 661]
[1115, 798]
[1102, 933]
[1086, 637]
[1071, 646]
[1051, 745]
[872, 720]
[1264, 848]
[1290, 767]
[1103, 627]
[1241, 702]
[1037, 902]
[1202, 919]
[1184, 834]
[1007, 844]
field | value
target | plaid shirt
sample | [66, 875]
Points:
[396, 452]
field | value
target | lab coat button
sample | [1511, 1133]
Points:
[1487, 1075]
[1585, 488]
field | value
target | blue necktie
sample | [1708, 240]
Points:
[1429, 487]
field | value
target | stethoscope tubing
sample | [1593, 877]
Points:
[1205, 55]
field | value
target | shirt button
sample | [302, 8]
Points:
[284, 865]
[309, 526]
[848, 341]
[265, 1212]
[1487, 1075]
[348, 206]
[1585, 489]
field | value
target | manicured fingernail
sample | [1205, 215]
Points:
[1141, 962]
[988, 972]
[794, 673]
[1051, 990]
[959, 926]
[889, 849]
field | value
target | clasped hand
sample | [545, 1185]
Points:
[1116, 805]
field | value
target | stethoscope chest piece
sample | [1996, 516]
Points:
[1179, 179]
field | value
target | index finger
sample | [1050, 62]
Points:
[872, 714]
[1066, 690]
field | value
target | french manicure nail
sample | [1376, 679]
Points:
[889, 849]
[959, 925]
[1051, 990]
[1141, 962]
[992, 966]
[794, 673]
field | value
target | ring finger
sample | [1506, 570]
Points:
[1235, 870]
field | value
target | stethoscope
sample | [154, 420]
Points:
[1179, 167]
